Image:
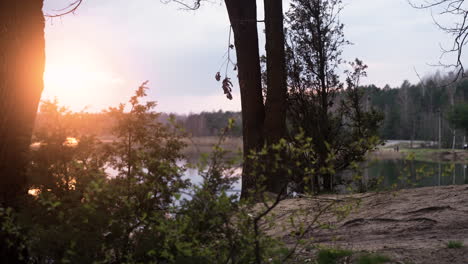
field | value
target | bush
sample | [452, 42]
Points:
[372, 259]
[129, 201]
[78, 213]
[455, 244]
[331, 256]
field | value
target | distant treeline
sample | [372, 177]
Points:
[211, 123]
[412, 111]
[197, 125]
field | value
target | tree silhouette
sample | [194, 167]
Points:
[22, 60]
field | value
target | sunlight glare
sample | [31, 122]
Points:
[34, 191]
[79, 82]
[70, 142]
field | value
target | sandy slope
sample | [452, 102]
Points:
[410, 226]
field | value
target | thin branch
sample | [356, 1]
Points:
[459, 30]
[71, 8]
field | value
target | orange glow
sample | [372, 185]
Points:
[35, 145]
[70, 142]
[77, 81]
[33, 192]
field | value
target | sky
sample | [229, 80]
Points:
[98, 56]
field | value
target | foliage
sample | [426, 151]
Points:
[454, 244]
[458, 116]
[128, 201]
[63, 159]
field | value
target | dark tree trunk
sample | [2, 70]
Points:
[275, 106]
[243, 18]
[22, 59]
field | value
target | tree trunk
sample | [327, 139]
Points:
[243, 18]
[22, 60]
[275, 106]
[454, 134]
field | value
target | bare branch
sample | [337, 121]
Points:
[458, 29]
[194, 5]
[71, 8]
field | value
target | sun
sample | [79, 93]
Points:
[78, 82]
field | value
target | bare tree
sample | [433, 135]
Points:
[458, 29]
[275, 105]
[243, 18]
[261, 123]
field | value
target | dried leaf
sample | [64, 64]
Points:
[218, 76]
[227, 87]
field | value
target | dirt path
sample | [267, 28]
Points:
[409, 226]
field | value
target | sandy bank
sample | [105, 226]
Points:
[409, 226]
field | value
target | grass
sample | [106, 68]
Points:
[372, 259]
[330, 256]
[454, 244]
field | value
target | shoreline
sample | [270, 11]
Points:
[458, 156]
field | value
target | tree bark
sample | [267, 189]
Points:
[22, 60]
[275, 106]
[243, 18]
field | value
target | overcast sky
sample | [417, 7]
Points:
[98, 56]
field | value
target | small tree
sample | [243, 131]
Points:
[319, 105]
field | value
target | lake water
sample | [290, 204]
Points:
[383, 174]
[410, 174]
[395, 173]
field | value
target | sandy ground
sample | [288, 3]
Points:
[409, 226]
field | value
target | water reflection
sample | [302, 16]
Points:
[411, 173]
[194, 176]
[69, 142]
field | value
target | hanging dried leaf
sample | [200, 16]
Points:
[235, 67]
[218, 76]
[227, 87]
[231, 46]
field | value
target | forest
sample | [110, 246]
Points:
[315, 168]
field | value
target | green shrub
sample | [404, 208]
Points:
[455, 244]
[146, 210]
[331, 256]
[372, 259]
[78, 213]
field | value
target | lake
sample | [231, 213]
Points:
[400, 173]
[382, 174]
